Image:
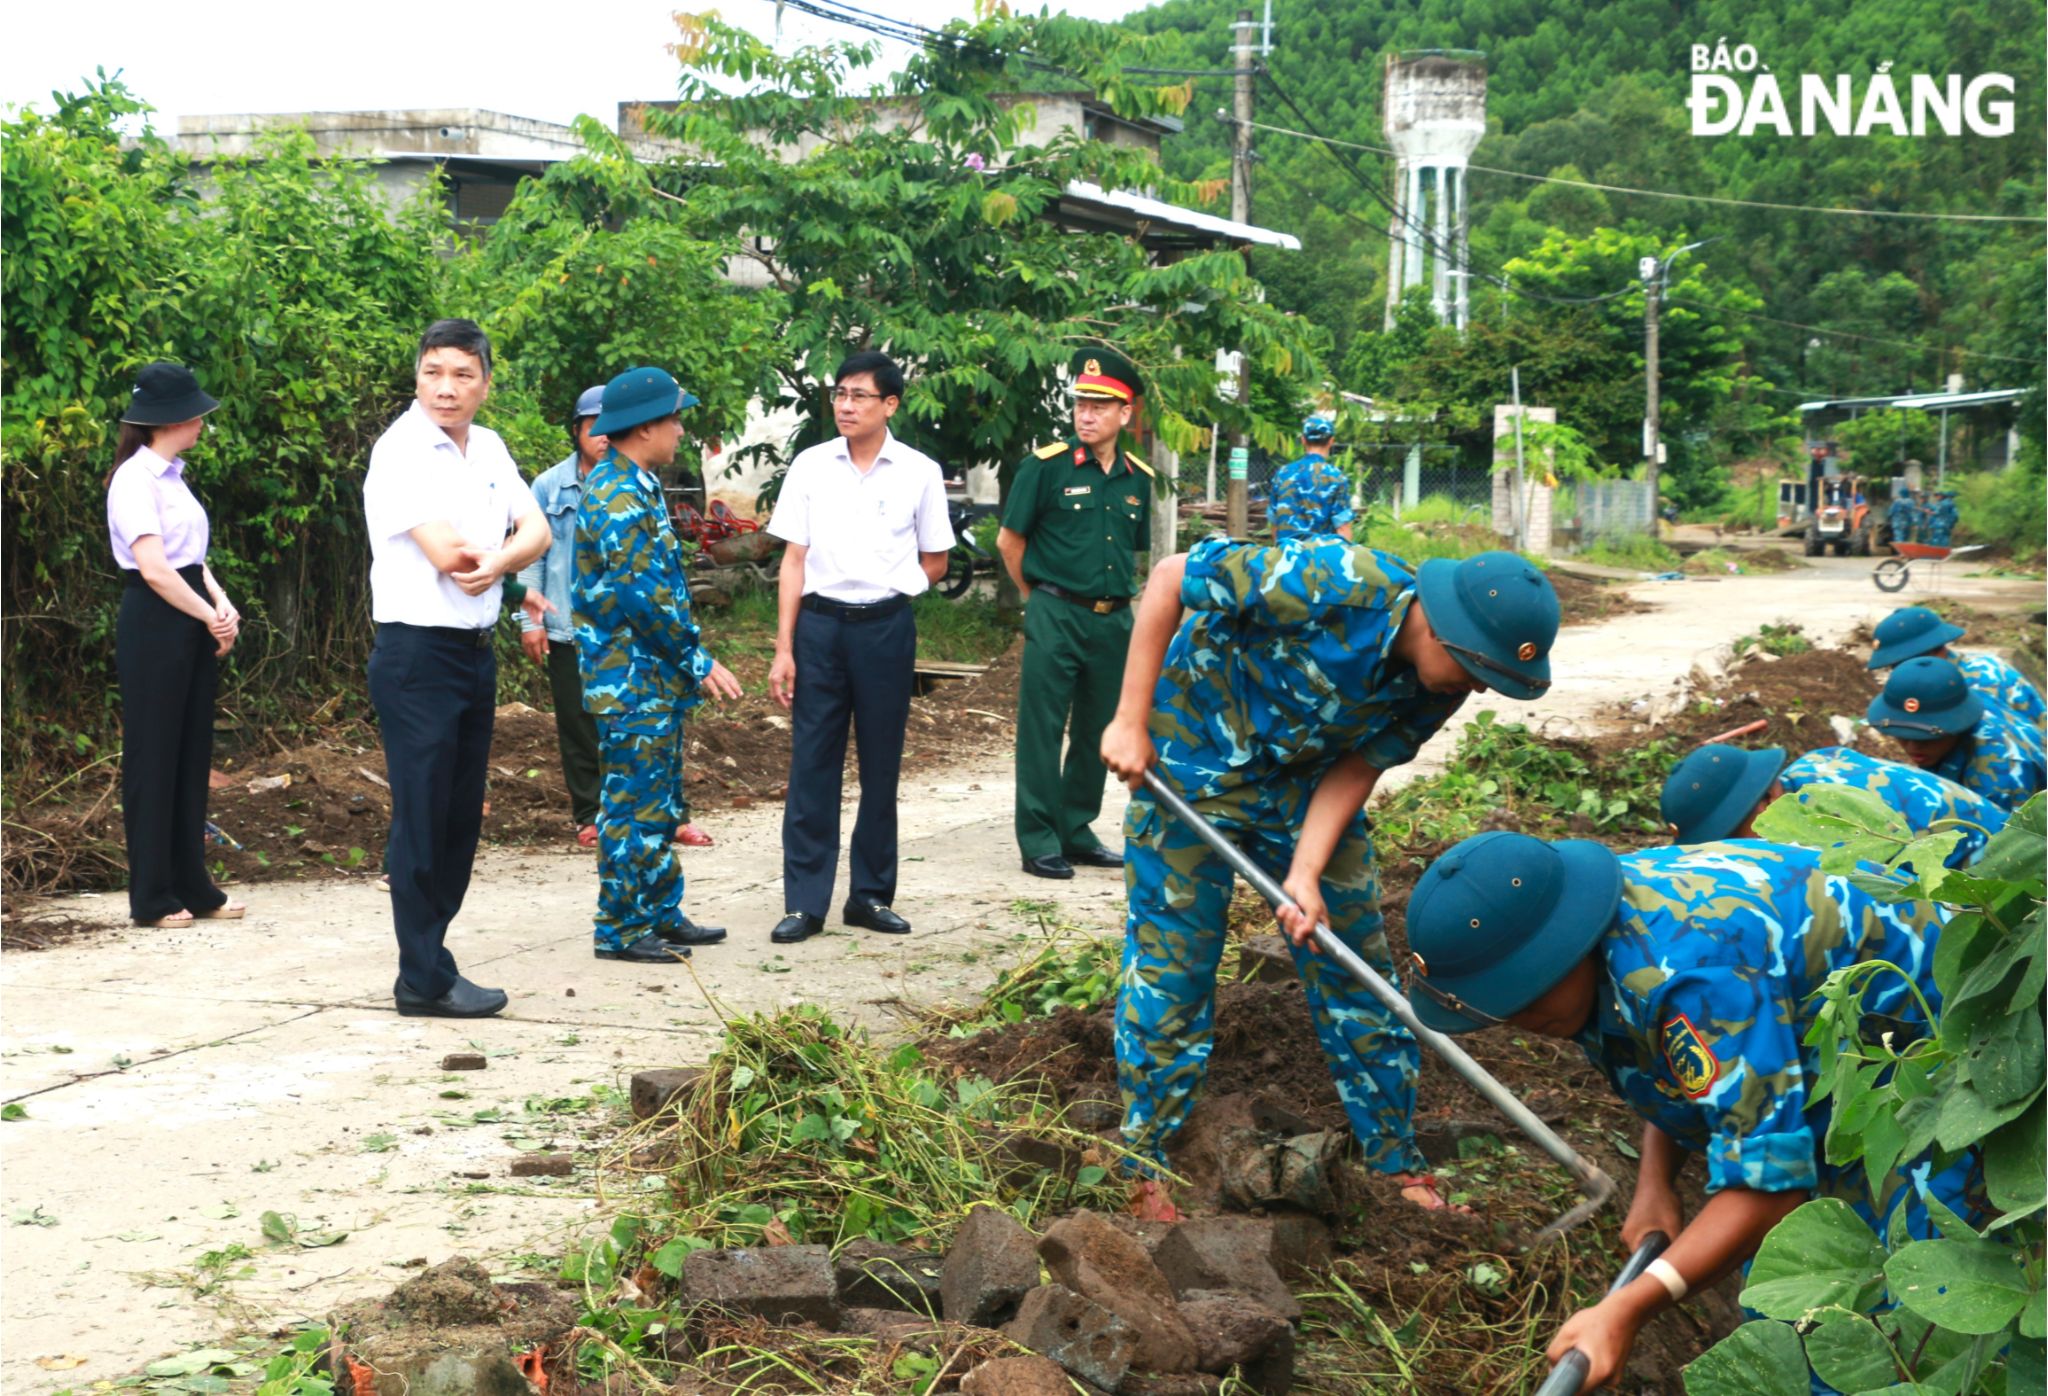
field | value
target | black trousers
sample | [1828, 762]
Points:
[436, 692]
[846, 669]
[165, 660]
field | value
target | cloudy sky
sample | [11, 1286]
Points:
[214, 56]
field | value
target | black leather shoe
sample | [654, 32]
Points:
[648, 950]
[690, 933]
[1051, 865]
[796, 926]
[464, 1000]
[875, 917]
[1096, 857]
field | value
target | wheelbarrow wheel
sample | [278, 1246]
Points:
[1891, 574]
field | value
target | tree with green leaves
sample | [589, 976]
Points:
[916, 220]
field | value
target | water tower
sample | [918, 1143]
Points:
[1435, 113]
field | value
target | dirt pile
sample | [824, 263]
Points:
[450, 1330]
[1794, 697]
[1585, 602]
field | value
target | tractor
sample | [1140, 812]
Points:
[1841, 517]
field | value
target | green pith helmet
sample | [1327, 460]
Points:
[1498, 616]
[1496, 922]
[1908, 633]
[1710, 792]
[1925, 698]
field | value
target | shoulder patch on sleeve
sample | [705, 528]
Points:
[1693, 1064]
[1139, 465]
[1048, 452]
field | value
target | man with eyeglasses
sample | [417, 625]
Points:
[864, 520]
[1272, 687]
[1078, 512]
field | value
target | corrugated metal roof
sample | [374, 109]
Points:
[1173, 215]
[1926, 402]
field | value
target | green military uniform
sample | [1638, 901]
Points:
[1084, 526]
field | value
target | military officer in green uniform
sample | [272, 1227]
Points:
[1079, 511]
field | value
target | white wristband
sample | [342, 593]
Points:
[1666, 1274]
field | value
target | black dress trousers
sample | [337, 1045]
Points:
[852, 664]
[169, 675]
[435, 690]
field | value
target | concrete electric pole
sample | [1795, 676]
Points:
[1237, 501]
[1653, 291]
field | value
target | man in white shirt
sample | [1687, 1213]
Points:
[864, 518]
[450, 518]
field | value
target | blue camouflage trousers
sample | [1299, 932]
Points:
[639, 876]
[1166, 994]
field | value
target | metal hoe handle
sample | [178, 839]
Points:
[1568, 1377]
[1596, 1185]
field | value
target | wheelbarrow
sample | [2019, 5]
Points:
[1894, 572]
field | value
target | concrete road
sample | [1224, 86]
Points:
[179, 1084]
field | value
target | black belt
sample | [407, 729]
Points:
[1101, 605]
[456, 634]
[856, 610]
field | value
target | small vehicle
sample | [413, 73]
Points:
[968, 559]
[1894, 572]
[1841, 518]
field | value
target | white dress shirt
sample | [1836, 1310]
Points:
[417, 476]
[862, 529]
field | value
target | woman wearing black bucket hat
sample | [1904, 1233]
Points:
[175, 624]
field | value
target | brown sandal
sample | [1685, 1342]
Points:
[226, 911]
[164, 923]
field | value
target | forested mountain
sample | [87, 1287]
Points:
[1596, 91]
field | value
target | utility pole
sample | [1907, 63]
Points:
[1653, 291]
[1238, 500]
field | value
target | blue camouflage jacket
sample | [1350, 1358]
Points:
[1283, 665]
[2001, 759]
[1919, 797]
[1705, 999]
[1310, 496]
[637, 645]
[2002, 684]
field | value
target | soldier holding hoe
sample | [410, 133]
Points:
[1272, 687]
[1688, 976]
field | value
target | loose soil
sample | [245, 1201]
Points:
[324, 807]
[1589, 603]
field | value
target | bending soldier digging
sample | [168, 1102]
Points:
[1943, 726]
[643, 665]
[1689, 977]
[1273, 687]
[1079, 511]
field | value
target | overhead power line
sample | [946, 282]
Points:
[1874, 339]
[1670, 193]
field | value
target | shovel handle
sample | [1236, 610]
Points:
[1569, 1375]
[1596, 1185]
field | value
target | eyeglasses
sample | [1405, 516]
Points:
[857, 396]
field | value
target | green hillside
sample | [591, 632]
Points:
[1598, 93]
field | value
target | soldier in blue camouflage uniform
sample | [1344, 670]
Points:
[1272, 686]
[643, 666]
[1310, 495]
[1941, 518]
[1912, 632]
[1900, 516]
[1687, 975]
[1944, 727]
[1718, 791]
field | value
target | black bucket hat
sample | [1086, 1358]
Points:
[164, 395]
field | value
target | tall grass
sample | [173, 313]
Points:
[2006, 508]
[1637, 551]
